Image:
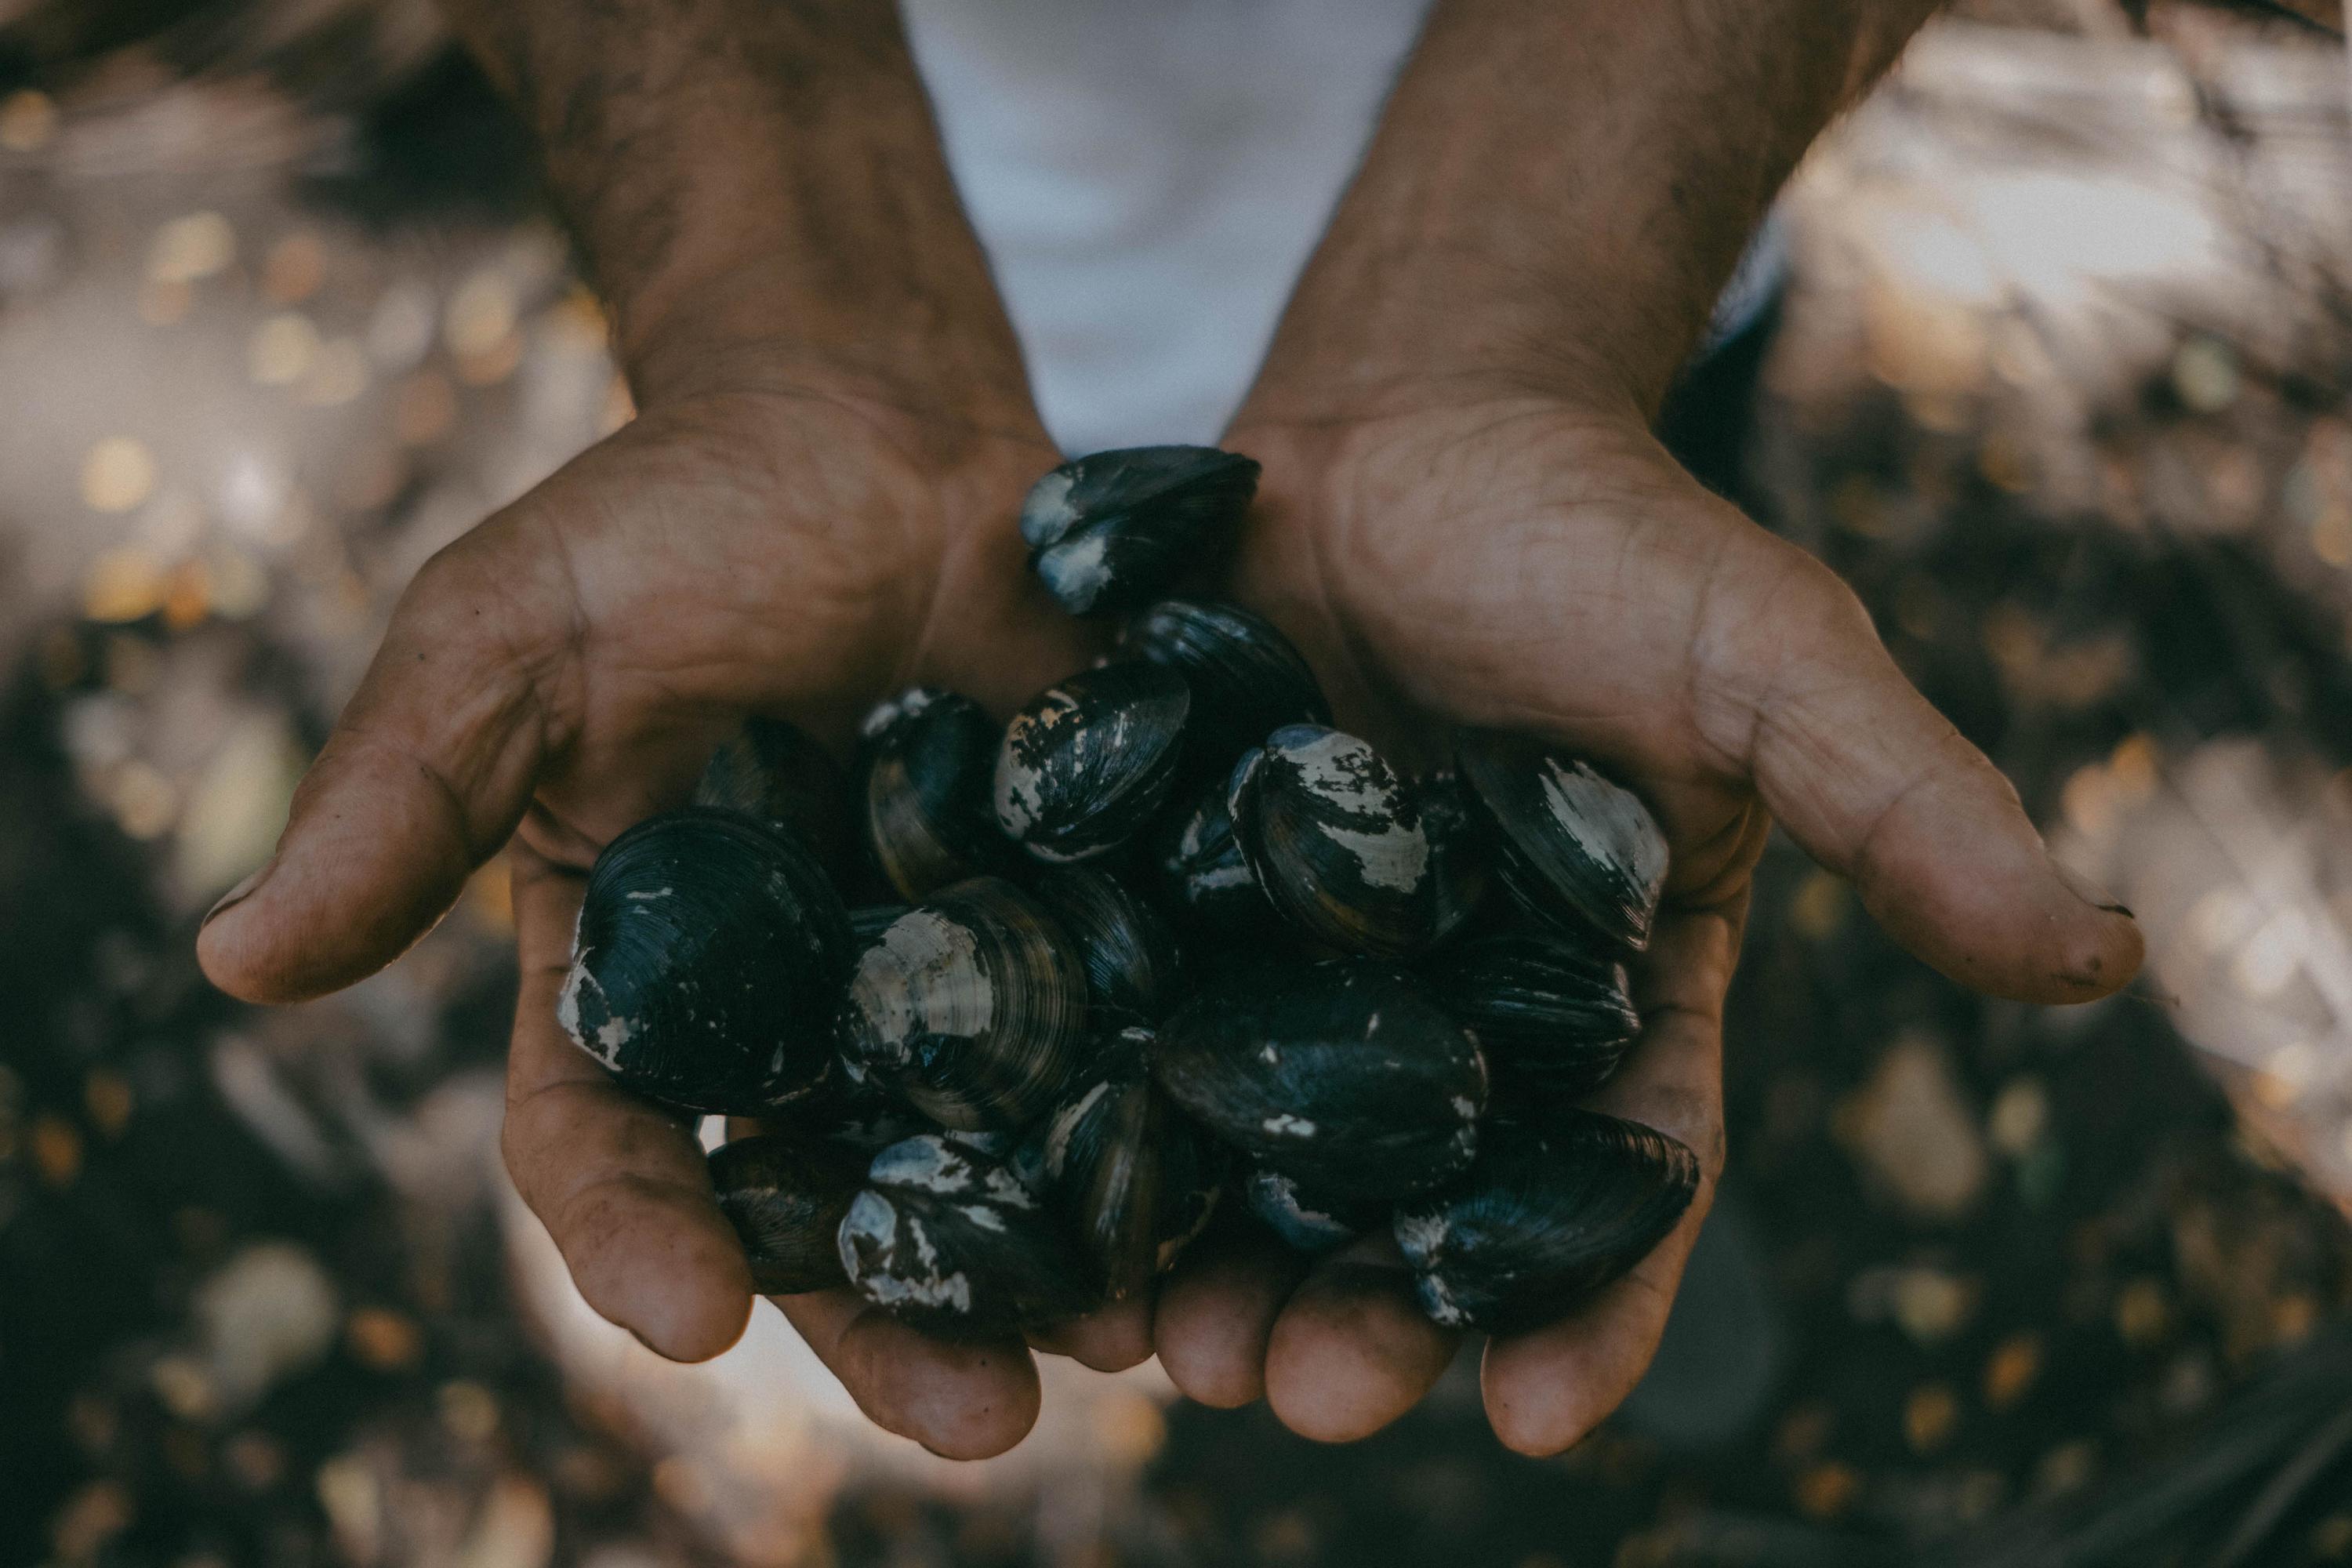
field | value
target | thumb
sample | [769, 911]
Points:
[1875, 784]
[425, 778]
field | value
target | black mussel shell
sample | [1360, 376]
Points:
[1309, 1221]
[786, 1197]
[1248, 680]
[1135, 968]
[1088, 762]
[1112, 529]
[921, 783]
[972, 1007]
[1201, 870]
[1020, 1151]
[1570, 846]
[1552, 1210]
[946, 1238]
[1459, 866]
[775, 771]
[1135, 1178]
[1344, 1075]
[850, 1111]
[1336, 841]
[710, 952]
[1553, 1013]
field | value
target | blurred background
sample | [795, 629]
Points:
[2054, 359]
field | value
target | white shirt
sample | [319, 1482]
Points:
[1147, 177]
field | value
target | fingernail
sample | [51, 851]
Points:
[237, 894]
[2090, 892]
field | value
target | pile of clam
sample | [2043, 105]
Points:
[1017, 1005]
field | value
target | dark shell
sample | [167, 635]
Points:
[775, 771]
[1336, 841]
[850, 1111]
[1135, 1178]
[1344, 1075]
[1550, 1212]
[948, 1239]
[1248, 680]
[1112, 529]
[786, 1197]
[1554, 1014]
[1570, 846]
[710, 952]
[1309, 1221]
[1089, 762]
[1135, 969]
[1201, 870]
[924, 762]
[1459, 862]
[972, 1007]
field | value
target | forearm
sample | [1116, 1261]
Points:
[1558, 188]
[755, 181]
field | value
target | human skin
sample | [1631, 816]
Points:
[1466, 519]
[816, 503]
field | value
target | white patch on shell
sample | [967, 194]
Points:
[874, 1218]
[1233, 874]
[1284, 1124]
[1047, 512]
[1018, 797]
[647, 895]
[983, 1216]
[1345, 772]
[1609, 825]
[882, 715]
[1076, 570]
[1466, 1108]
[1437, 1301]
[925, 954]
[567, 1001]
[1066, 1125]
[1420, 1237]
[924, 1161]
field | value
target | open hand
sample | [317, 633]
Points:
[563, 671]
[1530, 563]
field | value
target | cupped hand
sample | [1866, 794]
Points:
[1530, 563]
[563, 671]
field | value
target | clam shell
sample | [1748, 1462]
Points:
[711, 950]
[1344, 1076]
[1570, 846]
[774, 771]
[1309, 1221]
[1247, 680]
[921, 782]
[1136, 1180]
[1089, 762]
[1135, 968]
[1551, 1211]
[972, 1006]
[1554, 1014]
[786, 1197]
[1112, 529]
[1336, 841]
[946, 1238]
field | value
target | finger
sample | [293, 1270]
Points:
[1216, 1313]
[1545, 1389]
[1877, 785]
[621, 1184]
[1111, 1339]
[1352, 1350]
[963, 1399]
[425, 778]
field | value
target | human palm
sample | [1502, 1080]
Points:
[563, 671]
[1531, 564]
